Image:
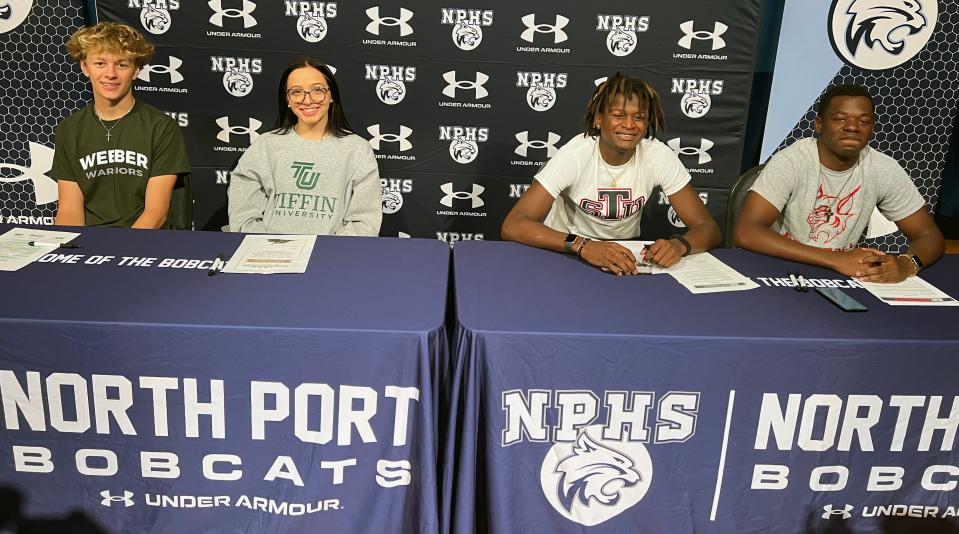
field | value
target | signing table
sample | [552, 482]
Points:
[156, 398]
[585, 402]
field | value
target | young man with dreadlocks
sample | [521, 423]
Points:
[814, 198]
[596, 186]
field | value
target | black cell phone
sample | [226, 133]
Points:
[841, 299]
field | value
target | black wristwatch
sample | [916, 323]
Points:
[568, 242]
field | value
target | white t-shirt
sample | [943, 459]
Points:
[829, 209]
[588, 202]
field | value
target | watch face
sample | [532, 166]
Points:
[570, 238]
[916, 260]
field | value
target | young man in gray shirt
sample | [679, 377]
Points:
[814, 198]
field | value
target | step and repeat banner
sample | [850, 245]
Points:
[462, 102]
[904, 51]
[41, 87]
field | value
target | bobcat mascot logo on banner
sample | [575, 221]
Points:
[881, 34]
[594, 479]
[875, 21]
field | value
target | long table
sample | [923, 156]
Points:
[152, 397]
[585, 402]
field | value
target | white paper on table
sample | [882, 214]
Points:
[272, 254]
[16, 252]
[879, 225]
[704, 273]
[912, 291]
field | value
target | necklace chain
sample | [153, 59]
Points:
[832, 205]
[110, 129]
[614, 179]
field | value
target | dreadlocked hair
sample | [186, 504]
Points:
[619, 84]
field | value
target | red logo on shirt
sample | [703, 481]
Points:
[612, 204]
[829, 216]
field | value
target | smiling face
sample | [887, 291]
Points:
[111, 76]
[313, 110]
[621, 127]
[845, 128]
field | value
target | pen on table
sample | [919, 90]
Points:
[51, 244]
[803, 284]
[795, 281]
[218, 265]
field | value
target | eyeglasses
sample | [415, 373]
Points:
[317, 92]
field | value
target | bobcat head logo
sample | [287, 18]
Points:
[466, 36]
[591, 471]
[155, 20]
[830, 215]
[873, 22]
[463, 151]
[696, 105]
[621, 42]
[881, 34]
[540, 98]
[392, 201]
[311, 29]
[238, 83]
[391, 91]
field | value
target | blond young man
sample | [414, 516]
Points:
[117, 159]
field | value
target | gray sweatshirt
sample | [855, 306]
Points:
[289, 185]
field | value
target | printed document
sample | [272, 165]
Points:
[272, 254]
[912, 291]
[16, 250]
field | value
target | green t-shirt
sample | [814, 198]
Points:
[113, 174]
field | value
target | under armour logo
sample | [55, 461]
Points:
[402, 138]
[232, 13]
[171, 69]
[403, 21]
[226, 130]
[844, 511]
[109, 499]
[41, 161]
[525, 144]
[702, 151]
[453, 84]
[473, 197]
[556, 29]
[686, 41]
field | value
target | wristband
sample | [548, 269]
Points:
[685, 243]
[582, 244]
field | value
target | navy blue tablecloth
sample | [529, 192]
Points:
[585, 402]
[161, 399]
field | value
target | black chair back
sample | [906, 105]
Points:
[736, 197]
[181, 204]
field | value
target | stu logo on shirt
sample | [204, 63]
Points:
[92, 163]
[612, 204]
[302, 204]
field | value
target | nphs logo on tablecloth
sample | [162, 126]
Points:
[881, 34]
[594, 479]
[598, 465]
